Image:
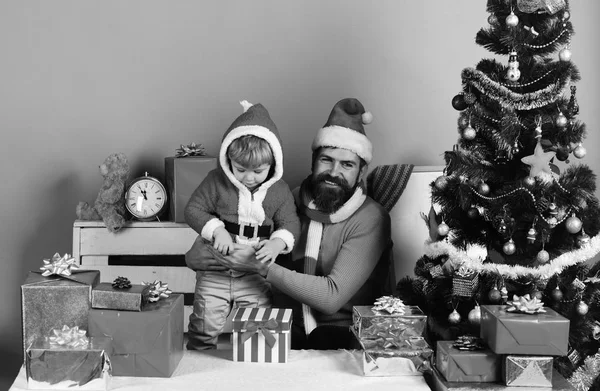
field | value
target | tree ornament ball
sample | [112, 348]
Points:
[469, 98]
[483, 188]
[582, 308]
[529, 181]
[513, 74]
[454, 317]
[473, 213]
[512, 20]
[494, 295]
[475, 316]
[564, 55]
[458, 102]
[509, 247]
[469, 133]
[573, 224]
[557, 294]
[561, 120]
[542, 256]
[463, 121]
[443, 229]
[562, 154]
[441, 182]
[583, 239]
[579, 151]
[493, 19]
[515, 149]
[566, 15]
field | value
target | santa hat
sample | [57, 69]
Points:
[344, 129]
[256, 121]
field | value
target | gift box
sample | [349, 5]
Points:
[543, 334]
[367, 322]
[559, 383]
[182, 176]
[531, 371]
[464, 282]
[50, 366]
[145, 343]
[467, 365]
[105, 296]
[388, 357]
[262, 335]
[49, 302]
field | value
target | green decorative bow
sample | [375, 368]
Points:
[266, 329]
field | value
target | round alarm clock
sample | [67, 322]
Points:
[145, 198]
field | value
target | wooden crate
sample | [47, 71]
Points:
[93, 244]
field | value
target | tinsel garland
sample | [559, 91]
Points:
[509, 99]
[473, 258]
[583, 378]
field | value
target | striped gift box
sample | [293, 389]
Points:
[262, 335]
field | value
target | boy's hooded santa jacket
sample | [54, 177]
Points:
[221, 197]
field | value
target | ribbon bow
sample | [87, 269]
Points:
[526, 305]
[468, 342]
[121, 283]
[192, 149]
[266, 328]
[158, 290]
[68, 337]
[464, 272]
[58, 265]
[391, 304]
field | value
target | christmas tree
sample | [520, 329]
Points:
[515, 212]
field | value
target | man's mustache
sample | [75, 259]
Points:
[336, 180]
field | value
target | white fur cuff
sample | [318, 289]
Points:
[287, 238]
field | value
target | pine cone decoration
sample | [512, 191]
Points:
[192, 149]
[121, 283]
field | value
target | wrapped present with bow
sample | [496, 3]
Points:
[467, 360]
[262, 335]
[524, 326]
[388, 314]
[121, 294]
[58, 294]
[183, 174]
[465, 282]
[146, 343]
[67, 358]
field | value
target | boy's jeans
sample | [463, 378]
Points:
[216, 293]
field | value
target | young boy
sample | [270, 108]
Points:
[244, 201]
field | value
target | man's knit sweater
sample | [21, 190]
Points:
[352, 268]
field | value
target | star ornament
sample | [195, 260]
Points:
[539, 162]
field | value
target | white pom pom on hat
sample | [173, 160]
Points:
[344, 129]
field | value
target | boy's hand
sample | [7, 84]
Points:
[269, 250]
[222, 240]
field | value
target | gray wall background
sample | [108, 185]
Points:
[82, 79]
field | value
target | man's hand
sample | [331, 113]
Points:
[222, 240]
[269, 250]
[202, 256]
[243, 259]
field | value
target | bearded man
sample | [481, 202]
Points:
[342, 257]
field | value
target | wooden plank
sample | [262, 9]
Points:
[76, 242]
[131, 224]
[180, 279]
[132, 241]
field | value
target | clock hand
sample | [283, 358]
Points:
[144, 194]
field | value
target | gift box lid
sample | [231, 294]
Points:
[85, 277]
[244, 317]
[410, 311]
[470, 362]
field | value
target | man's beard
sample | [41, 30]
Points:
[326, 198]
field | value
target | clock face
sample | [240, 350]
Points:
[145, 198]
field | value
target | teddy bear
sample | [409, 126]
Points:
[110, 203]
